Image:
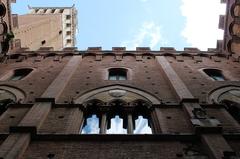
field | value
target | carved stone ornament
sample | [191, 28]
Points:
[117, 93]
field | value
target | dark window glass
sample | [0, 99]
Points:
[215, 74]
[20, 74]
[68, 16]
[68, 25]
[117, 74]
[233, 108]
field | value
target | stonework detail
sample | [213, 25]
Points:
[119, 103]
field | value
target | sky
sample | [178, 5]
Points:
[141, 23]
[116, 126]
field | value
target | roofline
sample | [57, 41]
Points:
[30, 7]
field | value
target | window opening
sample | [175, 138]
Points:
[68, 16]
[142, 126]
[20, 74]
[91, 125]
[117, 74]
[233, 108]
[215, 74]
[116, 126]
[68, 25]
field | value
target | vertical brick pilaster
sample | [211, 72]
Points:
[216, 145]
[161, 121]
[176, 83]
[57, 86]
[75, 121]
[36, 116]
[156, 122]
[14, 146]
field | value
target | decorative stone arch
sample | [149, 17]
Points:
[143, 94]
[18, 94]
[214, 95]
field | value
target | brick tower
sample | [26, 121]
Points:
[121, 104]
[43, 27]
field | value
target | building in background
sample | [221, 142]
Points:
[42, 27]
[105, 104]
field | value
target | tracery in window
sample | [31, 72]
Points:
[117, 74]
[117, 111]
[215, 74]
[91, 125]
[142, 126]
[116, 126]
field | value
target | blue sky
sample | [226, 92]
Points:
[131, 23]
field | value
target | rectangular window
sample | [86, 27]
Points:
[117, 74]
[68, 16]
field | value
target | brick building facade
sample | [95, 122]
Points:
[189, 101]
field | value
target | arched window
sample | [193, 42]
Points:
[142, 126]
[117, 74]
[92, 120]
[233, 108]
[91, 125]
[141, 117]
[6, 98]
[116, 126]
[215, 74]
[20, 74]
[230, 97]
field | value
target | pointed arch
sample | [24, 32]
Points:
[143, 94]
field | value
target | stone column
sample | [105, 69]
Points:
[155, 123]
[130, 124]
[15, 145]
[103, 126]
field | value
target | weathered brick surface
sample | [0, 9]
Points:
[144, 75]
[105, 150]
[38, 80]
[228, 123]
[235, 145]
[56, 122]
[11, 118]
[199, 84]
[176, 120]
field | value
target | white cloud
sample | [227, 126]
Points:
[202, 17]
[149, 34]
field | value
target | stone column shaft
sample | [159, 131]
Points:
[103, 127]
[130, 124]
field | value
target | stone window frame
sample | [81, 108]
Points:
[225, 73]
[106, 73]
[104, 106]
[119, 74]
[7, 75]
[216, 93]
[112, 109]
[19, 94]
